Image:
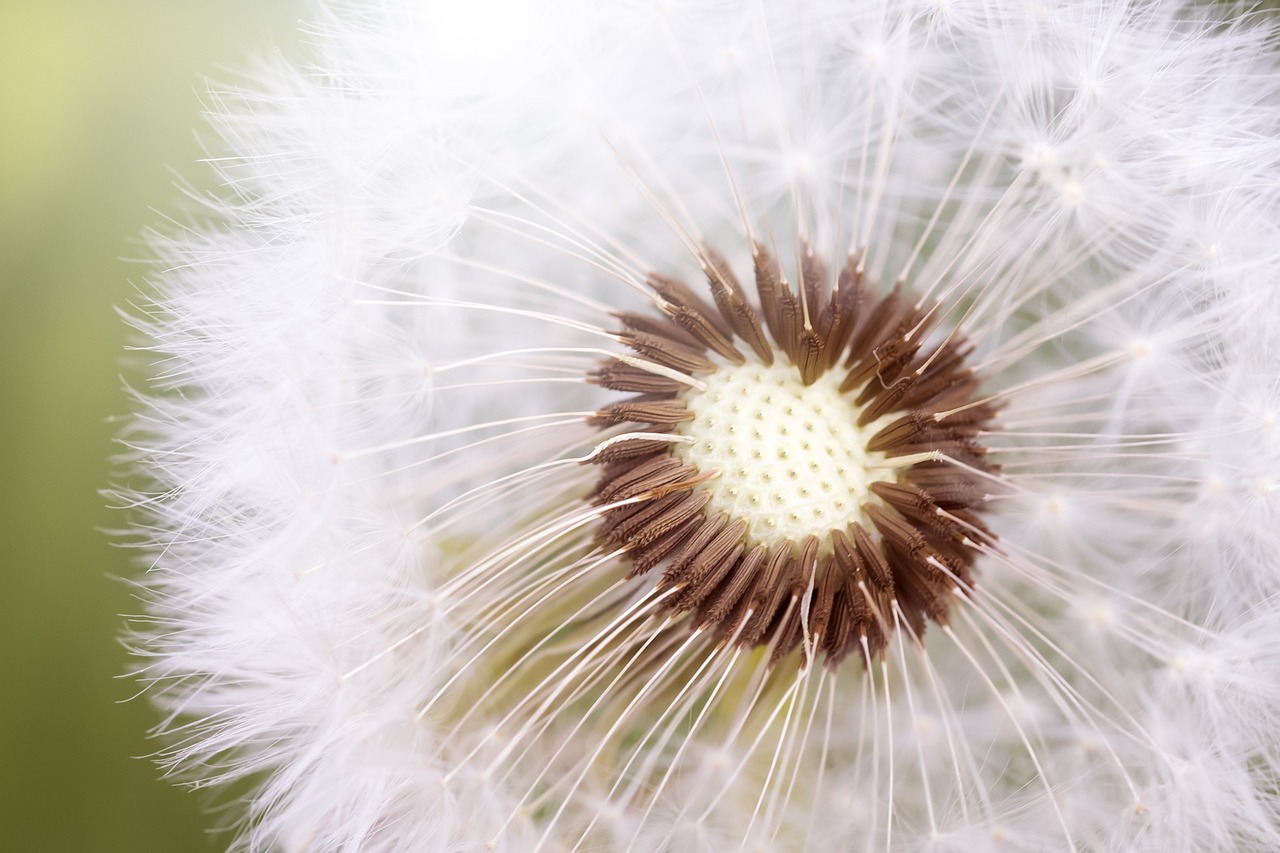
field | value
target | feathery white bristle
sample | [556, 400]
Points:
[373, 583]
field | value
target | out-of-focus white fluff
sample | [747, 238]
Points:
[422, 232]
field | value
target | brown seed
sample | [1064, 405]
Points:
[838, 590]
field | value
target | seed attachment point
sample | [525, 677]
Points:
[802, 473]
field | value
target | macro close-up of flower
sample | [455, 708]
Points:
[697, 425]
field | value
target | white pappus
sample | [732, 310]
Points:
[406, 574]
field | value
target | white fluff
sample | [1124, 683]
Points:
[368, 571]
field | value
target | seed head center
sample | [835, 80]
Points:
[828, 480]
[791, 458]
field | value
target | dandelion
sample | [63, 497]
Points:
[716, 426]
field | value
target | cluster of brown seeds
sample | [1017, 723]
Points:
[891, 560]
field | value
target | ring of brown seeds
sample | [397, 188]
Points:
[814, 484]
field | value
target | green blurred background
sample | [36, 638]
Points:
[100, 106]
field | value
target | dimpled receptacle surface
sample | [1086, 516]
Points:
[792, 459]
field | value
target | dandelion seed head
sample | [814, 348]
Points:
[480, 519]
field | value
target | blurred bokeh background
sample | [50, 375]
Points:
[99, 110]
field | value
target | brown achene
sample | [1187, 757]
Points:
[892, 560]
